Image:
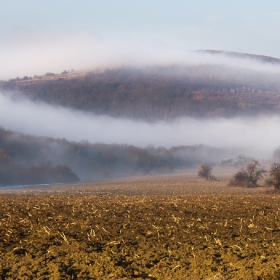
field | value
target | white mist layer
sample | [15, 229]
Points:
[260, 136]
[29, 54]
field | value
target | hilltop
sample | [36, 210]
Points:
[260, 58]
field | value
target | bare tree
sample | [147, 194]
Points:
[248, 177]
[274, 176]
[205, 171]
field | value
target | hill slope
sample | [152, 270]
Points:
[26, 159]
[154, 93]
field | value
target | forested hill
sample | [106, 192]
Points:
[154, 93]
[26, 159]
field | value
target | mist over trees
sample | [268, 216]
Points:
[58, 160]
[276, 154]
[146, 94]
[158, 93]
[239, 162]
[12, 174]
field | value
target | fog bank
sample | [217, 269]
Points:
[29, 54]
[260, 135]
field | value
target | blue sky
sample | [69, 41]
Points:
[242, 26]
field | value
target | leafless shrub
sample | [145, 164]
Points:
[248, 177]
[205, 171]
[274, 176]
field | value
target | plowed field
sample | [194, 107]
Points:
[154, 228]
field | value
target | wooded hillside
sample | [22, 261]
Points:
[157, 93]
[26, 159]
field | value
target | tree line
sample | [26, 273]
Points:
[12, 174]
[57, 160]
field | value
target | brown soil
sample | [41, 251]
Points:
[153, 228]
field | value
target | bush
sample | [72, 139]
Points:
[248, 177]
[205, 171]
[239, 179]
[274, 176]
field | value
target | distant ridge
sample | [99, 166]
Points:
[262, 58]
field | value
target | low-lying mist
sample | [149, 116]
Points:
[28, 54]
[256, 137]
